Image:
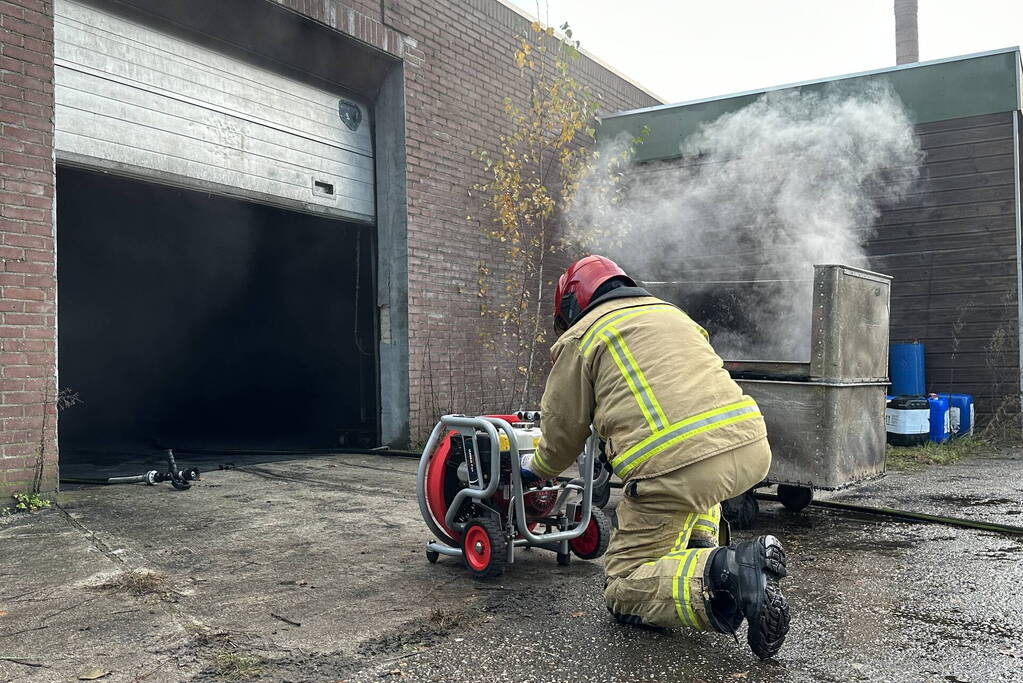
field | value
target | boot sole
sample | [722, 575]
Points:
[773, 557]
[767, 635]
[769, 626]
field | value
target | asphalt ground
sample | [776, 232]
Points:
[313, 569]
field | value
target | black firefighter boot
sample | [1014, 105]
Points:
[743, 580]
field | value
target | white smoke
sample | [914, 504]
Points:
[759, 197]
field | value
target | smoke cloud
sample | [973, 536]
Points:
[733, 229]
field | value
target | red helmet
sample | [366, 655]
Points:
[576, 287]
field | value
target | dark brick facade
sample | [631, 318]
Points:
[27, 279]
[458, 68]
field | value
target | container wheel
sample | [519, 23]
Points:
[432, 556]
[484, 548]
[741, 511]
[794, 498]
[593, 542]
[602, 495]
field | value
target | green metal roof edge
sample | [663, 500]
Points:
[957, 87]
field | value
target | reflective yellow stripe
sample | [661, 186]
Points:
[539, 466]
[683, 536]
[635, 379]
[688, 428]
[682, 437]
[586, 344]
[674, 594]
[686, 591]
[685, 613]
[694, 418]
[663, 421]
[679, 551]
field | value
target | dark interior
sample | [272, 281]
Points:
[195, 321]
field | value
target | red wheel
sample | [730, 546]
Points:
[484, 548]
[593, 542]
[477, 549]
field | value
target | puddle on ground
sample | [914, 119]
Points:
[881, 545]
[967, 501]
[959, 626]
[1004, 537]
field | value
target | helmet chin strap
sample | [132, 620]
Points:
[568, 312]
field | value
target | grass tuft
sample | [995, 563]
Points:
[234, 666]
[137, 582]
[445, 621]
[902, 458]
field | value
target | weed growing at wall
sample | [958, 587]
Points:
[29, 502]
[1004, 425]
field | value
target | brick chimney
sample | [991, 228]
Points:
[907, 37]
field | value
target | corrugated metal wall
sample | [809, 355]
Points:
[951, 247]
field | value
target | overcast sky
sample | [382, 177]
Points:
[690, 49]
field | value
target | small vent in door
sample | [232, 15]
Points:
[321, 188]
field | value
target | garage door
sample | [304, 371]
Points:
[143, 102]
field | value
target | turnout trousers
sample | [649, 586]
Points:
[666, 531]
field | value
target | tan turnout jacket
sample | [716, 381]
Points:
[644, 374]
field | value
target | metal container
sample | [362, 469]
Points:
[768, 369]
[825, 418]
[823, 435]
[849, 337]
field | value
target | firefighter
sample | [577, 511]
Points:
[682, 437]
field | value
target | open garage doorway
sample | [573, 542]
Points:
[191, 320]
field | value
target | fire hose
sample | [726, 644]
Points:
[909, 516]
[179, 479]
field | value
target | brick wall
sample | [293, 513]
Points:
[27, 278]
[459, 66]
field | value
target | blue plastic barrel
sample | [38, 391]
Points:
[940, 421]
[961, 413]
[906, 368]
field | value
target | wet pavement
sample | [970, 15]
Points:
[314, 570]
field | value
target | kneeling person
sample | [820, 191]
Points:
[682, 437]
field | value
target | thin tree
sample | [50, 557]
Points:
[532, 179]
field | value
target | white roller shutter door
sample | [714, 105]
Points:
[151, 104]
